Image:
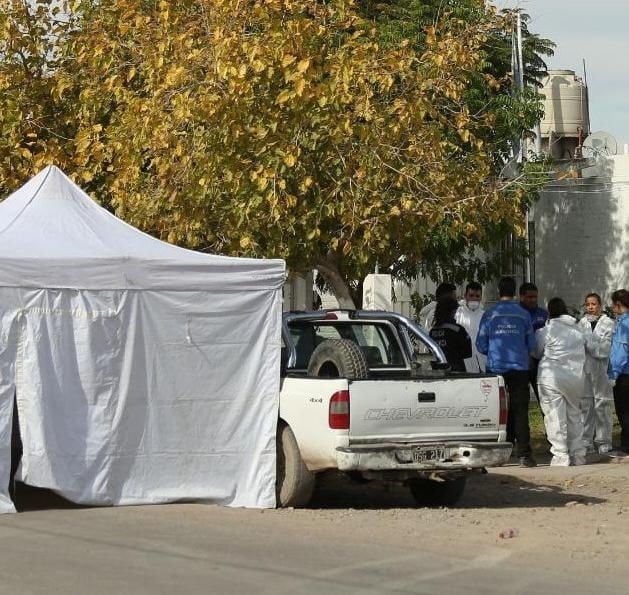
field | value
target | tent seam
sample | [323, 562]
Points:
[30, 200]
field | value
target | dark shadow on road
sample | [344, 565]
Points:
[497, 490]
[491, 490]
[28, 498]
[494, 490]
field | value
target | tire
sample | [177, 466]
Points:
[294, 484]
[338, 358]
[433, 493]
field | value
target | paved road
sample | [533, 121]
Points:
[571, 536]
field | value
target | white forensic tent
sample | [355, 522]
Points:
[144, 372]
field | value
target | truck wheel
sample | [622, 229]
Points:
[338, 358]
[294, 484]
[431, 493]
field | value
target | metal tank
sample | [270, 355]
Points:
[566, 120]
[565, 105]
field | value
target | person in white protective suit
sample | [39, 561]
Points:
[597, 405]
[561, 350]
[469, 316]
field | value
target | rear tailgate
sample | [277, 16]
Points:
[425, 410]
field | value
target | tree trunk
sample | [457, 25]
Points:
[330, 271]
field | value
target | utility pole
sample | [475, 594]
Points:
[520, 54]
[519, 79]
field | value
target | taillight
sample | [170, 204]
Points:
[338, 418]
[504, 405]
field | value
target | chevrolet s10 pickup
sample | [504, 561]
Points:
[371, 394]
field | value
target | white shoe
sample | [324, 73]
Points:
[560, 461]
[604, 449]
[577, 460]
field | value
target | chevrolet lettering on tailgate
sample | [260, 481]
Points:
[424, 413]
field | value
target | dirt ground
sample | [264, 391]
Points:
[517, 531]
[577, 513]
[582, 511]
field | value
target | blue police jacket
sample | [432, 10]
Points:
[538, 315]
[506, 337]
[619, 354]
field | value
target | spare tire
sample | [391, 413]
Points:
[338, 358]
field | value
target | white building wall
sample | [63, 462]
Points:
[298, 292]
[582, 234]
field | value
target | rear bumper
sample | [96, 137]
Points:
[401, 457]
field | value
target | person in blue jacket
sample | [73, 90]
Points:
[618, 370]
[528, 300]
[506, 337]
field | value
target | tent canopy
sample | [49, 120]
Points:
[142, 372]
[50, 222]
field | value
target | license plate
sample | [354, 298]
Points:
[426, 454]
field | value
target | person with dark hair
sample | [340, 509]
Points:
[427, 313]
[450, 336]
[597, 404]
[506, 337]
[445, 289]
[619, 365]
[561, 349]
[528, 300]
[506, 287]
[474, 286]
[469, 316]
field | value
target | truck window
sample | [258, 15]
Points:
[377, 341]
[303, 337]
[422, 354]
[327, 332]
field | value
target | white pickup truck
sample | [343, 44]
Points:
[370, 393]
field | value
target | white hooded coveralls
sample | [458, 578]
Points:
[470, 321]
[427, 316]
[561, 348]
[598, 401]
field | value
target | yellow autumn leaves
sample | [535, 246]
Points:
[271, 127]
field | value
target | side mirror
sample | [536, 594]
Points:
[439, 365]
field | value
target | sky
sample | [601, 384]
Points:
[597, 30]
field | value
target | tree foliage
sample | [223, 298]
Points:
[31, 121]
[511, 113]
[277, 128]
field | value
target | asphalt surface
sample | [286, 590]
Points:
[516, 531]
